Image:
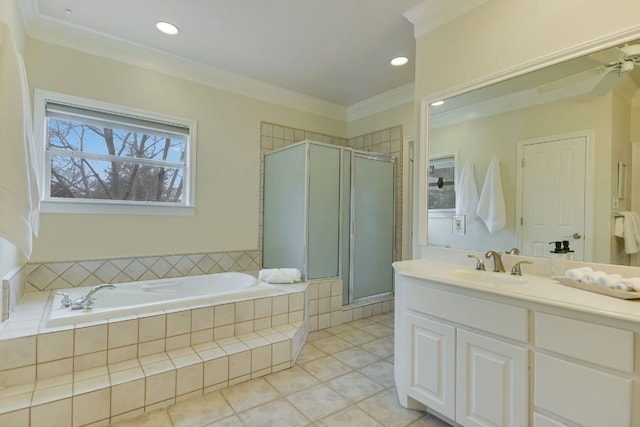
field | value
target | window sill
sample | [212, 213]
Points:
[105, 208]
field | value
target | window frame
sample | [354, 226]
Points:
[105, 206]
[453, 155]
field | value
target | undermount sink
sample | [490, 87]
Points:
[489, 277]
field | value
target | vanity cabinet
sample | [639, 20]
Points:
[460, 358]
[583, 372]
[480, 357]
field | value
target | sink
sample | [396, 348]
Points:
[487, 277]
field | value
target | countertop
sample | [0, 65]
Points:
[532, 288]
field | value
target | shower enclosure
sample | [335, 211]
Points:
[329, 211]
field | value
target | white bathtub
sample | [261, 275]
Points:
[134, 298]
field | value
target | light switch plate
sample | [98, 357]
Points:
[459, 224]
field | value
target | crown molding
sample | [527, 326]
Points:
[95, 43]
[431, 14]
[382, 102]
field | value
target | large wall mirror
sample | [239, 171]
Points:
[567, 139]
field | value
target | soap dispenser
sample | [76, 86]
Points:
[559, 257]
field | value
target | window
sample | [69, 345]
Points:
[107, 159]
[441, 188]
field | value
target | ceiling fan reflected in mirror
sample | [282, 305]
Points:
[614, 62]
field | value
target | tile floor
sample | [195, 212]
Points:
[343, 377]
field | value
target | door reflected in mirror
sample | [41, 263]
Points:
[559, 134]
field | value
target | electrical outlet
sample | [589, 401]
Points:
[459, 225]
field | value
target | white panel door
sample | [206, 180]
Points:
[430, 364]
[491, 382]
[553, 195]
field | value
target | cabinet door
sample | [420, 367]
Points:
[492, 382]
[430, 364]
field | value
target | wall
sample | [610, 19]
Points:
[501, 35]
[228, 159]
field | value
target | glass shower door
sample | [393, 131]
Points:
[372, 227]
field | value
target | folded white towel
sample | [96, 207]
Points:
[467, 193]
[491, 206]
[577, 273]
[592, 278]
[280, 275]
[622, 287]
[633, 282]
[609, 280]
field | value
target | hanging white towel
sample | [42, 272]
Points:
[467, 193]
[19, 192]
[631, 232]
[491, 206]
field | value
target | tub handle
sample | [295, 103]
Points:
[66, 299]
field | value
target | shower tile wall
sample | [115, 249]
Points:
[58, 275]
[385, 141]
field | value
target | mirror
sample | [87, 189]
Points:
[559, 135]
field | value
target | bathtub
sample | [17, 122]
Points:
[135, 298]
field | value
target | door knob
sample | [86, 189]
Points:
[576, 236]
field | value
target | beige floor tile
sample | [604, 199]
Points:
[381, 372]
[309, 352]
[278, 413]
[232, 421]
[356, 357]
[326, 368]
[158, 418]
[429, 420]
[380, 347]
[378, 329]
[318, 335]
[317, 402]
[354, 386]
[349, 417]
[291, 380]
[249, 394]
[340, 329]
[332, 344]
[208, 408]
[357, 336]
[386, 409]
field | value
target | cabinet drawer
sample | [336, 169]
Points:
[583, 395]
[590, 342]
[500, 319]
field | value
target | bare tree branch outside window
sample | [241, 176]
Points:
[94, 162]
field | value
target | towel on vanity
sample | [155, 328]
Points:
[609, 280]
[632, 282]
[19, 189]
[631, 231]
[592, 278]
[577, 273]
[491, 206]
[467, 193]
[280, 275]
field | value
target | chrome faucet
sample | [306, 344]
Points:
[84, 302]
[498, 267]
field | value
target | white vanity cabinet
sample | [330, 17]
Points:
[541, 355]
[461, 355]
[583, 372]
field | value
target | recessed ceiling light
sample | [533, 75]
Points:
[167, 28]
[399, 61]
[435, 104]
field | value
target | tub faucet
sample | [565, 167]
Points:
[85, 301]
[498, 267]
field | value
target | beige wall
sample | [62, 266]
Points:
[228, 154]
[401, 115]
[502, 35]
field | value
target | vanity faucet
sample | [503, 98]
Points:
[498, 267]
[85, 302]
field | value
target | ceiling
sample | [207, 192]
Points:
[334, 50]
